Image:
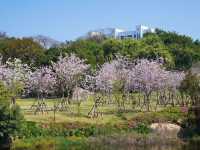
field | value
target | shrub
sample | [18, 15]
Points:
[10, 118]
[142, 128]
[171, 114]
[31, 129]
[50, 143]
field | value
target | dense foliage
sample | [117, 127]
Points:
[191, 86]
[25, 49]
[10, 118]
[178, 51]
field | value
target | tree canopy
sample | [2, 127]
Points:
[25, 49]
[178, 51]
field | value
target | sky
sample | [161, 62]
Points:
[69, 19]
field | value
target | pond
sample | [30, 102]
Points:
[167, 147]
[145, 145]
[130, 147]
[107, 144]
[154, 147]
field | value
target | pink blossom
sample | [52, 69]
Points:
[68, 71]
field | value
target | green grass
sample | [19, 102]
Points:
[70, 131]
[109, 113]
[111, 142]
[50, 143]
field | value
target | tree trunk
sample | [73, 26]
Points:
[13, 100]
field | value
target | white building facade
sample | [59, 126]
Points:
[122, 34]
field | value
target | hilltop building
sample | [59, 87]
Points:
[121, 33]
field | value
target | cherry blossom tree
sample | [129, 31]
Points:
[172, 85]
[69, 71]
[80, 95]
[14, 75]
[113, 80]
[41, 82]
[108, 80]
[146, 77]
[109, 74]
[150, 76]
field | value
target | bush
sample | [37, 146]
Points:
[142, 128]
[191, 86]
[32, 129]
[50, 143]
[171, 114]
[10, 118]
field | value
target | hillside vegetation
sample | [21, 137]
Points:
[179, 51]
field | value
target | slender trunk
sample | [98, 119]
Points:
[172, 97]
[78, 108]
[147, 101]
[13, 100]
[54, 113]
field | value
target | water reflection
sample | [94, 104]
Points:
[179, 146]
[122, 146]
[167, 147]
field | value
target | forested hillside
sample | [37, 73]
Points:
[178, 51]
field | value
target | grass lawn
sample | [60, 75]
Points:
[78, 132]
[110, 115]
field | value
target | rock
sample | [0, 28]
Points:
[166, 129]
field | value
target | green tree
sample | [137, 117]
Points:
[183, 59]
[131, 47]
[52, 54]
[153, 48]
[171, 38]
[184, 50]
[89, 50]
[191, 86]
[111, 47]
[25, 49]
[10, 118]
